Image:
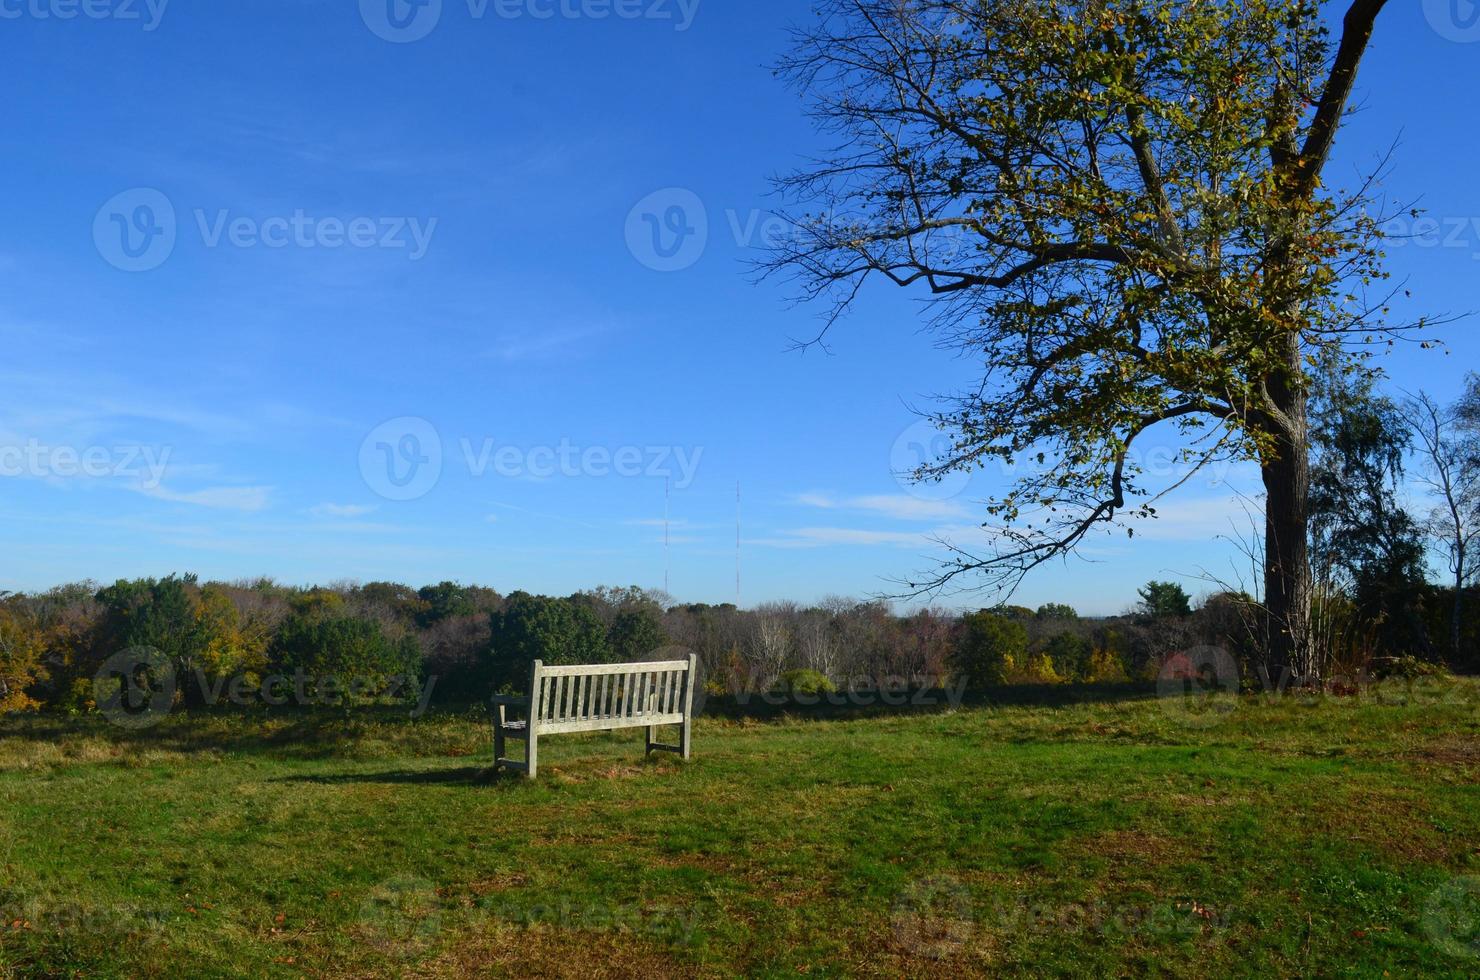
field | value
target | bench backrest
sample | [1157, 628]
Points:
[601, 697]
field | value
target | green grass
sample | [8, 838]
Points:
[1094, 833]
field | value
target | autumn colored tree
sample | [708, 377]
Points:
[21, 648]
[1119, 208]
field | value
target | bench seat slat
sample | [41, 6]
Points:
[610, 724]
[576, 670]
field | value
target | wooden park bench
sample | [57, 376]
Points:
[596, 698]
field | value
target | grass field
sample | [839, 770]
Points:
[1060, 834]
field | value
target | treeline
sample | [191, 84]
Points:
[474, 641]
[471, 641]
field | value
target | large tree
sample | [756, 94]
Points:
[1118, 205]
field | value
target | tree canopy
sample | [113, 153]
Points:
[1119, 208]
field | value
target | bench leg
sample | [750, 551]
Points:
[498, 739]
[532, 753]
[685, 735]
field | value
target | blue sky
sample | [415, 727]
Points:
[396, 310]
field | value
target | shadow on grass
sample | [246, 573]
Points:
[310, 734]
[296, 733]
[842, 705]
[466, 776]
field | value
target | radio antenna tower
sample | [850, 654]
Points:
[737, 544]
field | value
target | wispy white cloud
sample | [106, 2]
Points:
[675, 523]
[221, 498]
[341, 510]
[537, 343]
[901, 507]
[820, 537]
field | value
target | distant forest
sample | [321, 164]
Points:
[473, 641]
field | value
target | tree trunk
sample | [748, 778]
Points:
[1457, 618]
[1287, 580]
